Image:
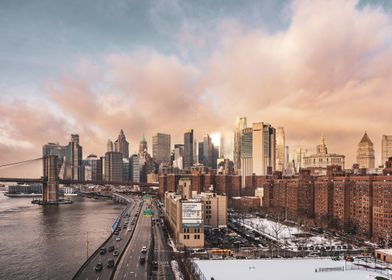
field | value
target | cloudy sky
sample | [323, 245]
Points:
[93, 67]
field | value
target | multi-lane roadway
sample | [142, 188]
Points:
[99, 264]
[130, 266]
[161, 268]
[131, 250]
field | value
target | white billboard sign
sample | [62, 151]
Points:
[191, 213]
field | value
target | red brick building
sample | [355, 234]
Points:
[382, 208]
[360, 205]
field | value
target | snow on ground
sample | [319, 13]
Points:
[271, 228]
[292, 269]
[287, 234]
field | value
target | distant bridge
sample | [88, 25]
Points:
[51, 181]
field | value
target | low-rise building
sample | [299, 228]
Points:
[384, 255]
[186, 220]
[245, 203]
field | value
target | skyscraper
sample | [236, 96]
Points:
[121, 145]
[178, 154]
[142, 145]
[188, 149]
[57, 150]
[134, 168]
[386, 148]
[298, 158]
[246, 153]
[93, 168]
[240, 124]
[161, 148]
[207, 152]
[222, 146]
[280, 149]
[114, 166]
[125, 170]
[365, 153]
[263, 148]
[109, 146]
[73, 159]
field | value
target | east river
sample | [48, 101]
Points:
[50, 242]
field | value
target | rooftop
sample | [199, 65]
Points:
[292, 269]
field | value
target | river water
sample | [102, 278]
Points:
[50, 242]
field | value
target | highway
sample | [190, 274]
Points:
[88, 271]
[129, 266]
[162, 251]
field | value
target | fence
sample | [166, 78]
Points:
[385, 272]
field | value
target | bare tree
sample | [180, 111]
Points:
[277, 229]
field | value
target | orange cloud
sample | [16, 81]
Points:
[329, 72]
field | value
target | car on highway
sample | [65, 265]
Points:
[111, 249]
[110, 263]
[116, 232]
[115, 253]
[144, 249]
[98, 266]
[102, 251]
[142, 259]
[155, 265]
[118, 238]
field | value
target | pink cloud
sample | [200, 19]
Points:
[329, 73]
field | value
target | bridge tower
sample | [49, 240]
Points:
[50, 190]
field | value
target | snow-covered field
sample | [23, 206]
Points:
[287, 235]
[271, 228]
[292, 269]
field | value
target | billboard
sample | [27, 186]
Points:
[191, 214]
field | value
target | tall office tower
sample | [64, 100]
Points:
[178, 150]
[55, 149]
[93, 168]
[109, 146]
[125, 170]
[188, 149]
[73, 159]
[201, 153]
[161, 148]
[221, 147]
[365, 153]
[280, 149]
[134, 168]
[178, 154]
[121, 145]
[142, 145]
[263, 148]
[287, 155]
[215, 156]
[113, 166]
[195, 153]
[240, 124]
[246, 154]
[206, 153]
[386, 148]
[299, 155]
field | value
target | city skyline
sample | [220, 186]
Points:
[307, 74]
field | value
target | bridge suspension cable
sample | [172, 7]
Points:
[20, 162]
